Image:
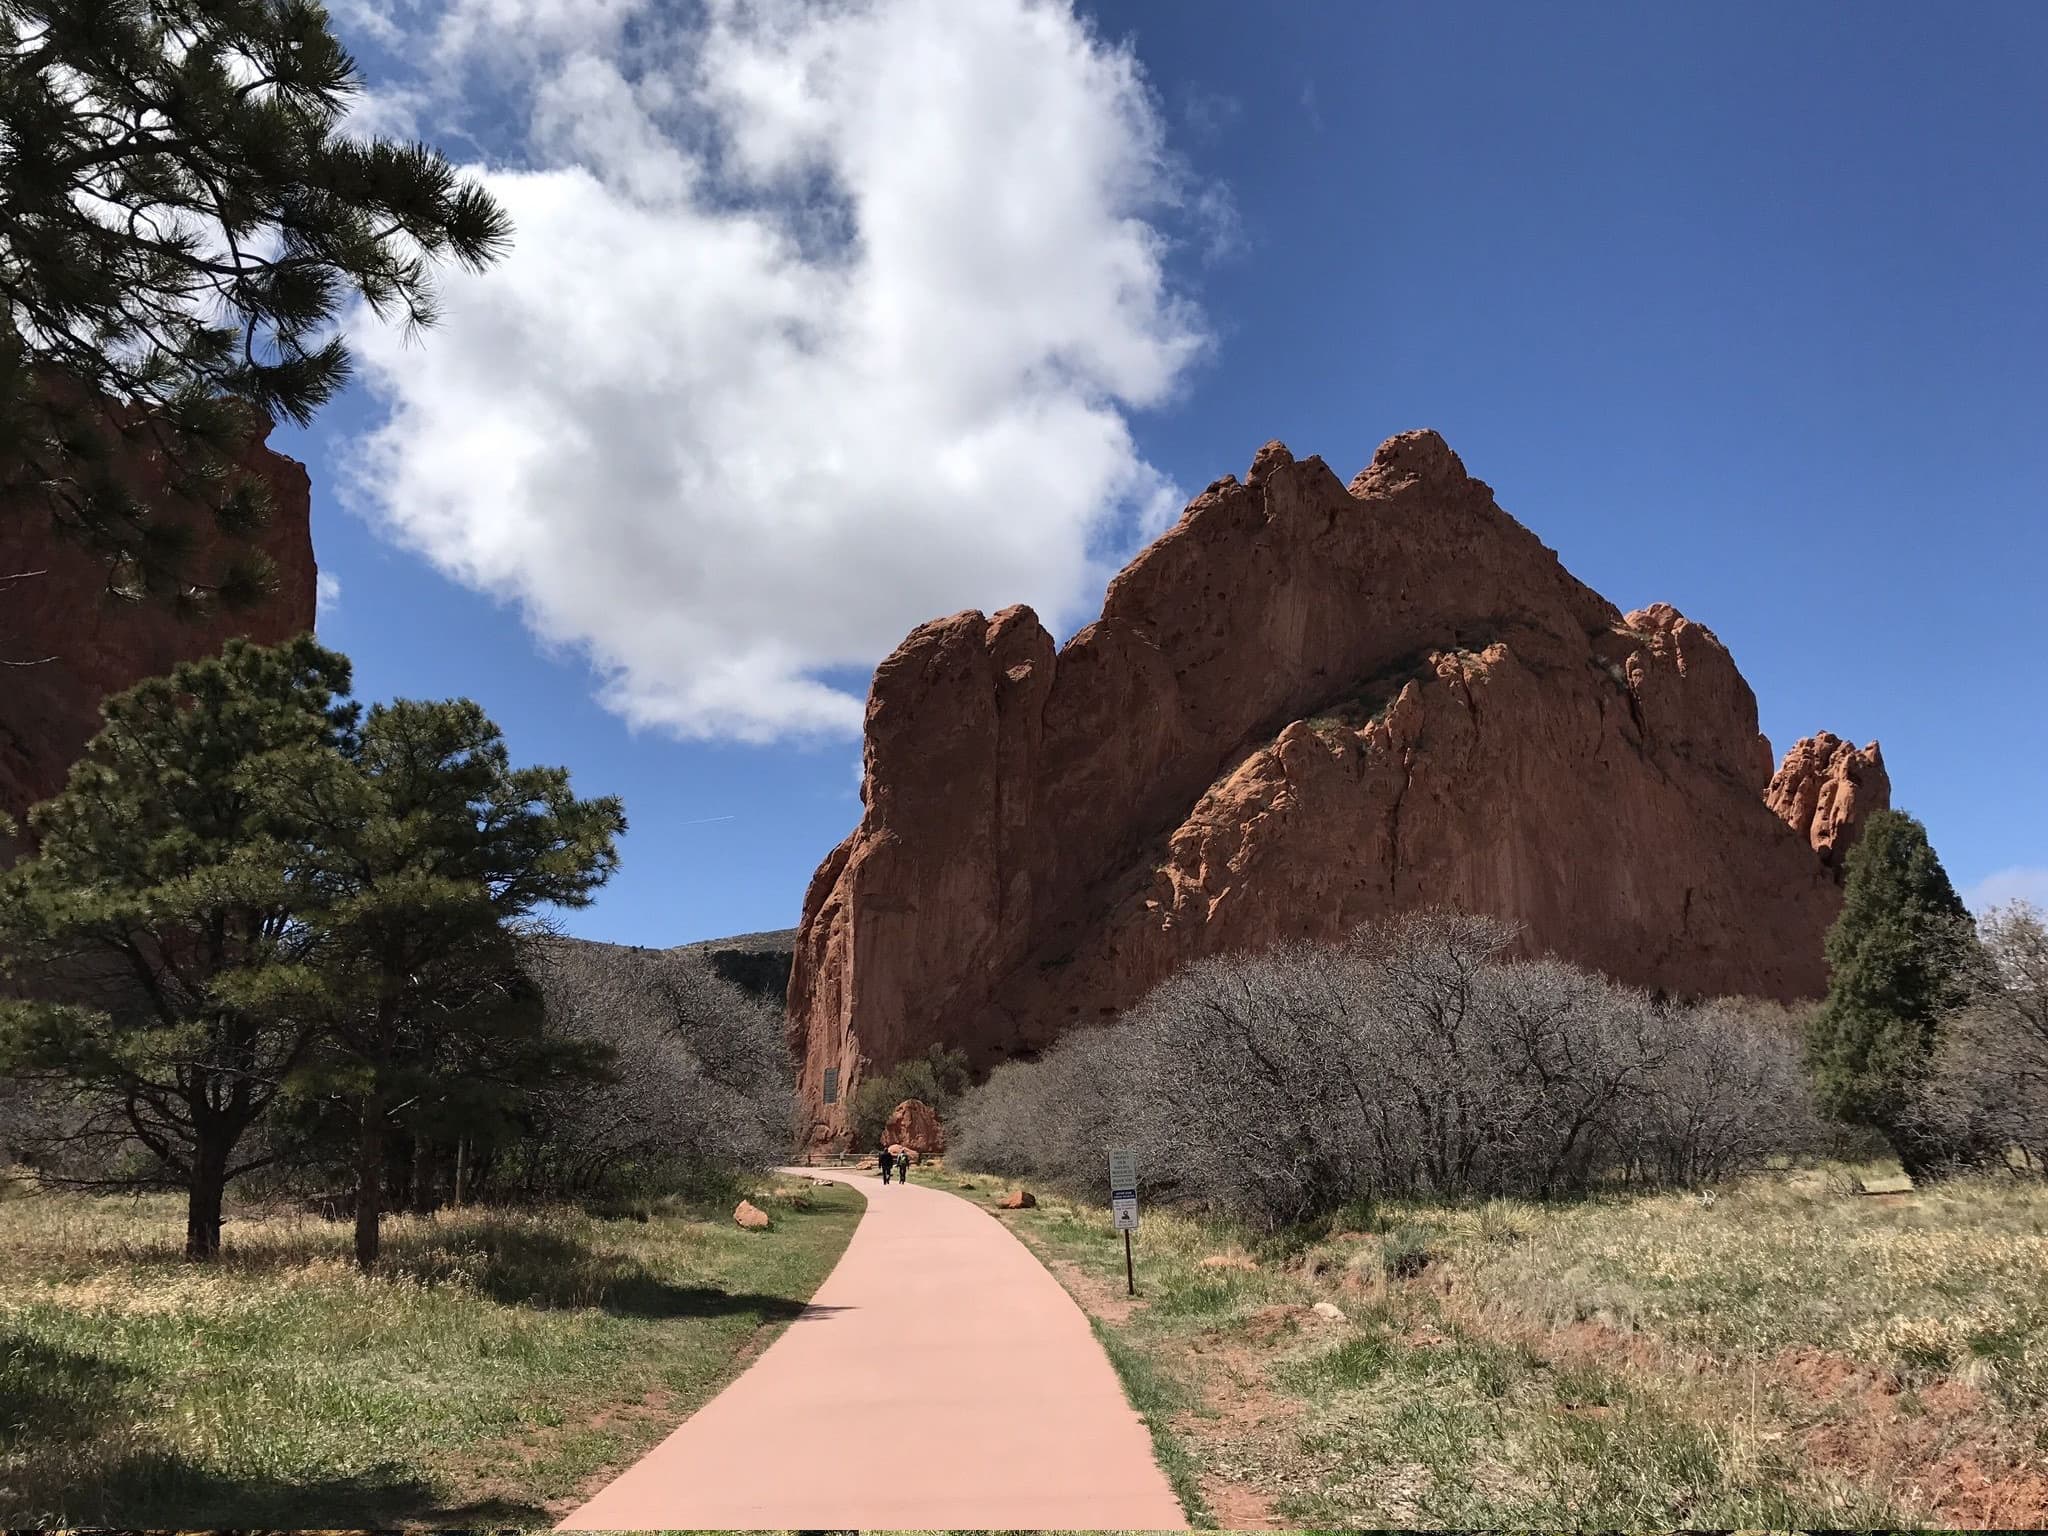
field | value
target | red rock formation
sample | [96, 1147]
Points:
[68, 644]
[1303, 707]
[915, 1124]
[1825, 788]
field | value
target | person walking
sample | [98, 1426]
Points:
[903, 1166]
[887, 1163]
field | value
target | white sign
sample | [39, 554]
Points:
[1123, 1172]
[1124, 1212]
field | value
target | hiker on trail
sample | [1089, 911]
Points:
[887, 1162]
[903, 1166]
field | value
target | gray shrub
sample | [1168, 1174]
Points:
[700, 1084]
[1421, 1057]
[1986, 1090]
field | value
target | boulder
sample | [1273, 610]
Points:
[915, 1124]
[1306, 706]
[1017, 1200]
[750, 1216]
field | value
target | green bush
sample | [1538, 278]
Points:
[1404, 1252]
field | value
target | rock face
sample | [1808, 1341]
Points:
[82, 644]
[1305, 706]
[915, 1124]
[1825, 788]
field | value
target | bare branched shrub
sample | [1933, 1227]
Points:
[1986, 1091]
[700, 1082]
[1418, 1058]
[1730, 1094]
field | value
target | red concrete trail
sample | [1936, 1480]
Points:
[939, 1379]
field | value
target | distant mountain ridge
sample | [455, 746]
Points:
[759, 962]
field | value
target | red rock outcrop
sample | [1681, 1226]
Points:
[1824, 789]
[1303, 707]
[915, 1124]
[68, 643]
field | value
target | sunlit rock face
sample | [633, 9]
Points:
[1305, 706]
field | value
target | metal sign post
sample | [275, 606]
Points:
[1123, 1205]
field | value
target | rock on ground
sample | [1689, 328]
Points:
[915, 1124]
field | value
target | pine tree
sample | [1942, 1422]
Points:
[180, 226]
[1899, 957]
[433, 853]
[155, 928]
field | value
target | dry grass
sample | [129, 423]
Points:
[497, 1366]
[1793, 1354]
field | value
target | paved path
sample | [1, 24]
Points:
[940, 1379]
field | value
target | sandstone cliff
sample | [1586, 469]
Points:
[65, 644]
[1304, 706]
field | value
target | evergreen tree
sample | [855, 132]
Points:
[180, 226]
[155, 927]
[432, 854]
[1899, 957]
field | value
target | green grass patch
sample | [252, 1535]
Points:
[1158, 1398]
[1357, 1362]
[497, 1364]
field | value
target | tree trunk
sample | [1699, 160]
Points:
[1923, 1157]
[461, 1147]
[369, 1185]
[203, 1200]
[421, 1184]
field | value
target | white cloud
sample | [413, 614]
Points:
[327, 595]
[821, 320]
[2020, 883]
[387, 113]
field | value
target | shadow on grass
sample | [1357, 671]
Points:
[524, 1266]
[51, 1396]
[63, 1411]
[161, 1490]
[519, 1263]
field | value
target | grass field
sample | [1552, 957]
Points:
[1793, 1355]
[495, 1370]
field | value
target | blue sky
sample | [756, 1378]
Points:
[1739, 308]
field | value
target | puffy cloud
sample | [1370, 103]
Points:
[2020, 883]
[327, 595]
[821, 320]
